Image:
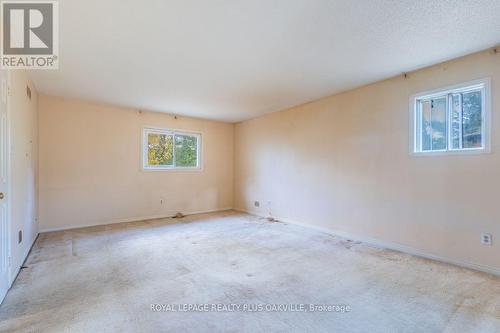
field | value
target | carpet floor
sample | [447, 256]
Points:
[233, 272]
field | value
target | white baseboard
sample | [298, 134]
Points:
[131, 219]
[387, 245]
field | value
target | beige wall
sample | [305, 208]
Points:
[23, 160]
[343, 163]
[90, 166]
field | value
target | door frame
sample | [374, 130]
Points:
[7, 134]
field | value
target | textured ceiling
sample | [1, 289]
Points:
[237, 59]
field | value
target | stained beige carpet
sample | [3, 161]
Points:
[104, 279]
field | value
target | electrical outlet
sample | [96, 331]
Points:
[486, 239]
[256, 204]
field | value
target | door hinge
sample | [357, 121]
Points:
[5, 91]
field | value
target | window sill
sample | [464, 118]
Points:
[465, 152]
[198, 169]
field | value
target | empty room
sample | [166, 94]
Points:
[250, 166]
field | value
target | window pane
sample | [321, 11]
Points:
[472, 118]
[438, 123]
[160, 149]
[456, 115]
[452, 119]
[426, 129]
[186, 154]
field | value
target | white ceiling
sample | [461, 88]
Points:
[237, 59]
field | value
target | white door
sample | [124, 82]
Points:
[4, 207]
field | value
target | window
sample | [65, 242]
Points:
[169, 149]
[451, 120]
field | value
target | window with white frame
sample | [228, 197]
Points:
[453, 119]
[170, 149]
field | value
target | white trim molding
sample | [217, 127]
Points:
[131, 219]
[382, 244]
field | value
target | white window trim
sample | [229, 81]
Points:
[486, 124]
[169, 131]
